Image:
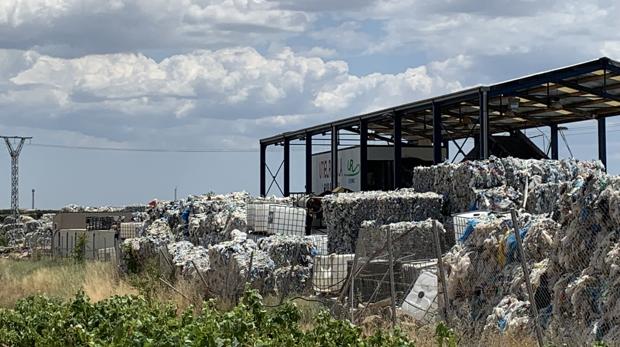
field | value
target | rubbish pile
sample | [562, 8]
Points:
[344, 213]
[574, 268]
[26, 232]
[75, 208]
[499, 183]
[202, 219]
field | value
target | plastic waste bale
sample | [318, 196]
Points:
[344, 213]
[296, 280]
[233, 263]
[136, 253]
[485, 278]
[461, 184]
[189, 258]
[584, 269]
[284, 250]
[413, 240]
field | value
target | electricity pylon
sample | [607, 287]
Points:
[15, 145]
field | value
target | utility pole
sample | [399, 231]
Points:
[15, 145]
[175, 193]
[33, 198]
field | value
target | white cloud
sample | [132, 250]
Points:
[228, 92]
[77, 27]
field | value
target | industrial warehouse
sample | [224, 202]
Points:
[500, 238]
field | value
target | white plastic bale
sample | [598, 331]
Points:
[486, 284]
[573, 262]
[461, 184]
[230, 268]
[287, 250]
[189, 258]
[344, 213]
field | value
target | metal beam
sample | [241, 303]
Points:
[287, 168]
[262, 174]
[532, 81]
[602, 141]
[309, 164]
[334, 161]
[484, 125]
[598, 92]
[554, 141]
[398, 151]
[437, 138]
[363, 155]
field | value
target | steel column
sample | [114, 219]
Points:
[287, 167]
[437, 136]
[484, 125]
[334, 161]
[309, 164]
[263, 183]
[554, 142]
[602, 141]
[398, 152]
[363, 155]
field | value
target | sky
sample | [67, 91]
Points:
[204, 80]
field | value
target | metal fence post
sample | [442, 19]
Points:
[442, 273]
[526, 276]
[392, 284]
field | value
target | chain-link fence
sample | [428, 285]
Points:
[571, 290]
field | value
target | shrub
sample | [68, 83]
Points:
[135, 321]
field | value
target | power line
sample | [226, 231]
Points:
[152, 150]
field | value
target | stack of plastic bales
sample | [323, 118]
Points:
[345, 212]
[574, 269]
[498, 183]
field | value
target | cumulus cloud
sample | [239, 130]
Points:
[77, 27]
[232, 92]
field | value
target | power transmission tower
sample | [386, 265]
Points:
[15, 145]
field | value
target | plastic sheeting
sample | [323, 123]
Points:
[345, 212]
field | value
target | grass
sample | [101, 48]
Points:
[61, 279]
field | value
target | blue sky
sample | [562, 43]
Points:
[218, 75]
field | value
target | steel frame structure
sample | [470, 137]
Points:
[585, 91]
[18, 142]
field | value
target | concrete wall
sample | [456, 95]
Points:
[99, 244]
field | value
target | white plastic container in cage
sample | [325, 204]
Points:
[330, 272]
[286, 220]
[465, 222]
[130, 230]
[106, 254]
[320, 243]
[421, 302]
[258, 217]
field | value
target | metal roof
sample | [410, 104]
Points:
[574, 93]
